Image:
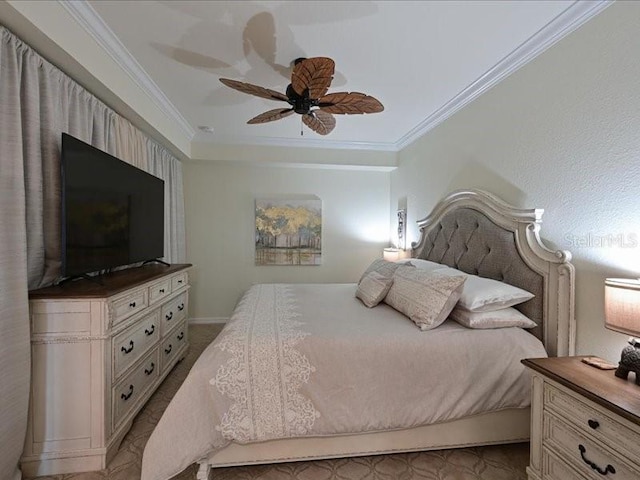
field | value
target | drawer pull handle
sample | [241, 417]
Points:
[132, 305]
[181, 307]
[161, 290]
[150, 332]
[149, 372]
[168, 350]
[593, 424]
[126, 350]
[608, 468]
[179, 281]
[169, 316]
[127, 396]
[181, 336]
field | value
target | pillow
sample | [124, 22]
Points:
[486, 295]
[507, 317]
[425, 297]
[381, 266]
[426, 264]
[373, 288]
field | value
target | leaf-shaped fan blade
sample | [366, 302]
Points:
[319, 121]
[271, 115]
[254, 90]
[350, 103]
[314, 74]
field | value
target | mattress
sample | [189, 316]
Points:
[312, 360]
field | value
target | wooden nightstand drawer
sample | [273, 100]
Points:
[173, 345]
[586, 416]
[583, 453]
[173, 312]
[132, 389]
[159, 290]
[179, 281]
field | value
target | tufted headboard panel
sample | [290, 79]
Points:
[467, 240]
[478, 233]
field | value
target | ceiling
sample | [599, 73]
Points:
[422, 60]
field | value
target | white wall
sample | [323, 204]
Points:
[562, 134]
[219, 209]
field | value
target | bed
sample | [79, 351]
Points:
[306, 372]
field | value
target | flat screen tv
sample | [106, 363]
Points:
[112, 212]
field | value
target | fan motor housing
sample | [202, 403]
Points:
[301, 103]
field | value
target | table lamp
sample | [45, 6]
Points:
[622, 314]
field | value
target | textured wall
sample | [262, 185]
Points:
[563, 134]
[219, 205]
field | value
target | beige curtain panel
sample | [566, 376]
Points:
[37, 103]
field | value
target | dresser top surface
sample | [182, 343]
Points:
[107, 285]
[600, 386]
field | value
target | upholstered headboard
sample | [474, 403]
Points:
[480, 234]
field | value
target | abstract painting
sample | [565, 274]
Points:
[289, 231]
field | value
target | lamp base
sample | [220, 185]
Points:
[630, 360]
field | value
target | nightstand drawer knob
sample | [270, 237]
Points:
[608, 469]
[593, 424]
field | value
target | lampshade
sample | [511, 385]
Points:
[391, 254]
[622, 305]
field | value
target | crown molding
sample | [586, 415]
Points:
[566, 22]
[94, 25]
[303, 143]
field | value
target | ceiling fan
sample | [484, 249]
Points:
[307, 95]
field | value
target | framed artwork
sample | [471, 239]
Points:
[289, 231]
[402, 229]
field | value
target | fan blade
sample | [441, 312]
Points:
[350, 103]
[314, 74]
[271, 115]
[254, 90]
[319, 121]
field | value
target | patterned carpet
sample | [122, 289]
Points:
[504, 462]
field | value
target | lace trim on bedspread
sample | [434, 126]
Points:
[265, 371]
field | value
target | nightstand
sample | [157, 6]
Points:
[585, 422]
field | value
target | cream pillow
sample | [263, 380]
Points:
[486, 295]
[507, 317]
[373, 288]
[425, 297]
[381, 266]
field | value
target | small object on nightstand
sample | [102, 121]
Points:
[599, 363]
[630, 361]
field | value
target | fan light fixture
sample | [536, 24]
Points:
[307, 96]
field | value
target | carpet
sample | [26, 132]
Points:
[500, 462]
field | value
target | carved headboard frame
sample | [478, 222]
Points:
[476, 232]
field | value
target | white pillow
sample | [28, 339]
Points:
[383, 267]
[373, 288]
[486, 295]
[425, 297]
[506, 317]
[426, 264]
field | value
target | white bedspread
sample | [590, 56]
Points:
[311, 360]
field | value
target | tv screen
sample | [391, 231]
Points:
[112, 212]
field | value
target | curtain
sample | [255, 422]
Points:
[37, 103]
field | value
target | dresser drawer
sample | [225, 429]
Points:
[134, 302]
[159, 290]
[555, 469]
[172, 345]
[585, 454]
[128, 392]
[587, 417]
[134, 342]
[179, 281]
[173, 312]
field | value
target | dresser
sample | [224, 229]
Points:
[585, 422]
[98, 352]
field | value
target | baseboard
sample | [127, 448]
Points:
[205, 320]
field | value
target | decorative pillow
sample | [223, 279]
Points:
[373, 288]
[426, 264]
[507, 317]
[425, 297]
[486, 295]
[385, 268]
